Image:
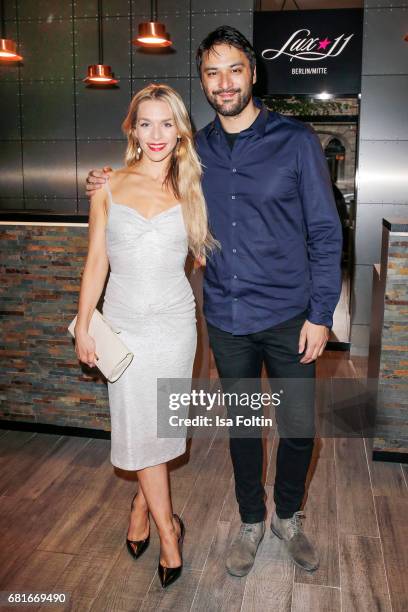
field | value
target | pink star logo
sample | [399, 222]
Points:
[323, 43]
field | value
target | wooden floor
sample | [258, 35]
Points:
[64, 514]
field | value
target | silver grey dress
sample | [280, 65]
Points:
[149, 299]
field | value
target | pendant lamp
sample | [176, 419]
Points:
[152, 33]
[100, 74]
[8, 48]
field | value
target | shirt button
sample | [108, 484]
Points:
[235, 299]
[235, 276]
[232, 197]
[234, 223]
[234, 169]
[234, 250]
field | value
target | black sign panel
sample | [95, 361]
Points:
[309, 52]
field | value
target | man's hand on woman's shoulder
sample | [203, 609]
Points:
[95, 180]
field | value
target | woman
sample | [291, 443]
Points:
[142, 224]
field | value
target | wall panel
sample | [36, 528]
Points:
[383, 147]
[46, 110]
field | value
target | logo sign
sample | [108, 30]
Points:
[308, 52]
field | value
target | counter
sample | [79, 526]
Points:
[41, 381]
[388, 353]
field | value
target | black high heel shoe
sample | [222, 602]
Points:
[137, 547]
[168, 575]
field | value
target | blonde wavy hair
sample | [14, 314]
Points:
[184, 172]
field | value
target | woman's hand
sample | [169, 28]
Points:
[85, 348]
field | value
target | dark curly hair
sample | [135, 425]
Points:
[226, 35]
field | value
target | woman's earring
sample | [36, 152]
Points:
[138, 150]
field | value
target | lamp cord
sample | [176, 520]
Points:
[153, 10]
[100, 32]
[3, 20]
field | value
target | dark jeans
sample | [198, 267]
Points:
[242, 357]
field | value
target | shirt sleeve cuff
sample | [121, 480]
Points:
[320, 318]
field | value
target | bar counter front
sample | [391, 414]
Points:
[41, 381]
[43, 386]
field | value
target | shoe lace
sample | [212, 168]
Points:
[246, 529]
[295, 523]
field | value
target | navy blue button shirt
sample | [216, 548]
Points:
[271, 206]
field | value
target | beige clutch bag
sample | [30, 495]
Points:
[114, 356]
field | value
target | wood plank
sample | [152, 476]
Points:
[229, 511]
[269, 585]
[363, 581]
[317, 598]
[85, 511]
[129, 580]
[405, 473]
[177, 597]
[392, 519]
[218, 590]
[356, 514]
[39, 573]
[44, 472]
[335, 364]
[23, 525]
[24, 459]
[190, 463]
[12, 441]
[386, 478]
[351, 411]
[321, 526]
[218, 459]
[203, 509]
[180, 492]
[87, 572]
[122, 603]
[19, 517]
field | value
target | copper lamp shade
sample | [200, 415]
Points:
[8, 51]
[152, 34]
[100, 74]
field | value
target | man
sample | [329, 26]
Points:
[270, 292]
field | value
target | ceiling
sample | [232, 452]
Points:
[276, 5]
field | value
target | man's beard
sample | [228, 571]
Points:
[230, 110]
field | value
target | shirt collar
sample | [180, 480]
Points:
[258, 125]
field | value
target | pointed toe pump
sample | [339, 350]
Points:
[168, 575]
[137, 547]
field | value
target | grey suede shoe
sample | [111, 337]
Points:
[300, 549]
[241, 555]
